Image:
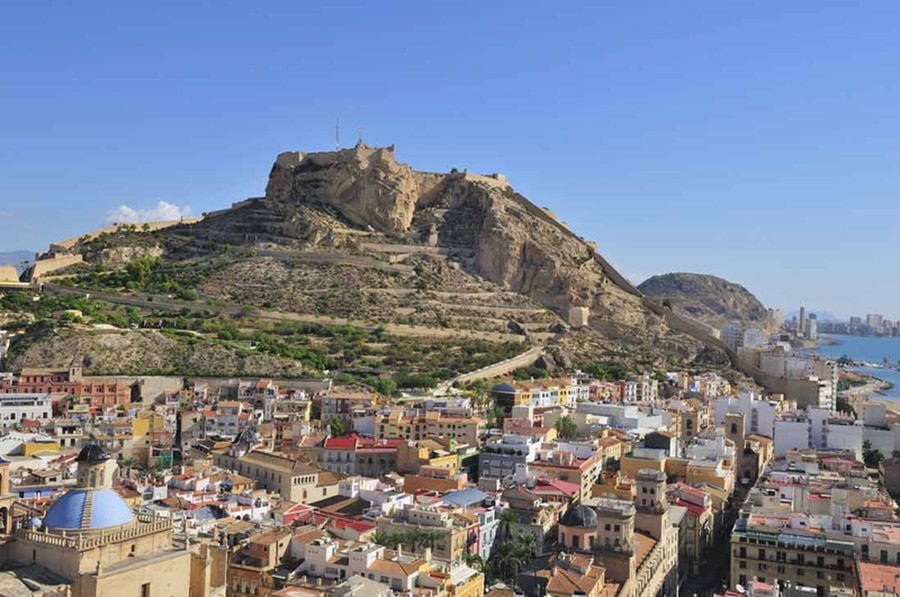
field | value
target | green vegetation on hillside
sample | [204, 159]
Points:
[350, 354]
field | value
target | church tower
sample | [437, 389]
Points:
[95, 468]
[651, 504]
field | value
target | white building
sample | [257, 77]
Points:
[759, 414]
[732, 334]
[818, 429]
[624, 416]
[488, 530]
[754, 338]
[15, 407]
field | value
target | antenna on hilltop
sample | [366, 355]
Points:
[337, 134]
[359, 130]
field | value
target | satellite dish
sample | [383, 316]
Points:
[740, 589]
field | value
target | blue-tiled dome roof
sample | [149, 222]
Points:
[247, 436]
[107, 509]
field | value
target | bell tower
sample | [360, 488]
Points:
[651, 504]
[95, 468]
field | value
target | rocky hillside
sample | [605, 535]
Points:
[130, 352]
[357, 235]
[708, 299]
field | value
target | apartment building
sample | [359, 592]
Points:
[15, 408]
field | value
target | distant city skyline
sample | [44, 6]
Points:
[758, 144]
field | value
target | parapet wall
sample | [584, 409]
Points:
[8, 273]
[496, 180]
[47, 266]
[66, 245]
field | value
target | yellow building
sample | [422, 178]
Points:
[465, 430]
[294, 480]
[448, 531]
[398, 425]
[412, 456]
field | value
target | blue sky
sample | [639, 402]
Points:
[755, 141]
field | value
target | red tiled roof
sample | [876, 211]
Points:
[693, 509]
[345, 442]
[546, 485]
[875, 577]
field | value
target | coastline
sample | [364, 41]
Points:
[873, 391]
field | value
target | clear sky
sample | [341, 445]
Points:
[755, 141]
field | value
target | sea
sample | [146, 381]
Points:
[871, 349]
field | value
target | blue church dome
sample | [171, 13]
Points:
[107, 509]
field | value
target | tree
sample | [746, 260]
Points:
[126, 464]
[871, 456]
[336, 427]
[431, 537]
[843, 405]
[566, 427]
[507, 519]
[495, 419]
[528, 543]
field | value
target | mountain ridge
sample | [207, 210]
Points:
[357, 235]
[709, 299]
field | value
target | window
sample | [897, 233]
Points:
[145, 590]
[617, 528]
[606, 527]
[742, 565]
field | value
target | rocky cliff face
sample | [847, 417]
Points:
[502, 236]
[709, 299]
[495, 233]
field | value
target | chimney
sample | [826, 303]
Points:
[428, 554]
[399, 550]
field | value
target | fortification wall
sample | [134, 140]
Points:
[496, 180]
[66, 245]
[46, 266]
[8, 273]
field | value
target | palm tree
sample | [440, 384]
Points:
[507, 519]
[410, 538]
[126, 464]
[431, 537]
[382, 538]
[566, 427]
[475, 561]
[528, 543]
